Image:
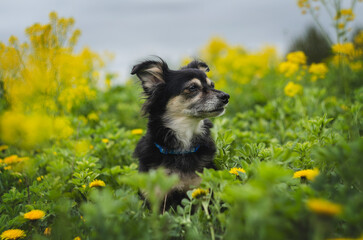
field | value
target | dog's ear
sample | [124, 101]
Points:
[151, 74]
[197, 64]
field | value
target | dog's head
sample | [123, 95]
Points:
[187, 92]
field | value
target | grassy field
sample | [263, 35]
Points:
[289, 146]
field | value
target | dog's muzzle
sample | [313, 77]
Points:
[224, 97]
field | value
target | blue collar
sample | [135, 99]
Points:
[166, 151]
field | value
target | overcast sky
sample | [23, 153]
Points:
[171, 29]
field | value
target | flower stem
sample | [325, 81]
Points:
[205, 207]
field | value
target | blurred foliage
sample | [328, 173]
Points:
[313, 44]
[284, 117]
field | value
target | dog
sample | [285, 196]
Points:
[178, 104]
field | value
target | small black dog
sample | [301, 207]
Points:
[178, 103]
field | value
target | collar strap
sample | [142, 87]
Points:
[164, 150]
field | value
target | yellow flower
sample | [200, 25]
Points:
[291, 89]
[348, 13]
[77, 238]
[39, 92]
[215, 46]
[318, 70]
[343, 48]
[97, 183]
[296, 57]
[309, 174]
[198, 193]
[137, 131]
[47, 231]
[11, 159]
[93, 116]
[323, 207]
[14, 159]
[303, 3]
[34, 215]
[105, 140]
[237, 170]
[12, 234]
[81, 147]
[288, 68]
[3, 147]
[7, 168]
[17, 128]
[40, 178]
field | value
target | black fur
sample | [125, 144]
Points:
[160, 85]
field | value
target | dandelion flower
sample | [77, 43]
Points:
[105, 140]
[12, 234]
[77, 238]
[137, 131]
[237, 170]
[47, 231]
[34, 215]
[198, 193]
[11, 159]
[323, 207]
[97, 183]
[309, 174]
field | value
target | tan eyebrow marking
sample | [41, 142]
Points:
[195, 81]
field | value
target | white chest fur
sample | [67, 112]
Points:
[185, 128]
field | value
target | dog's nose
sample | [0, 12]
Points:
[224, 97]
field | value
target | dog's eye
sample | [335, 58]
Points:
[193, 88]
